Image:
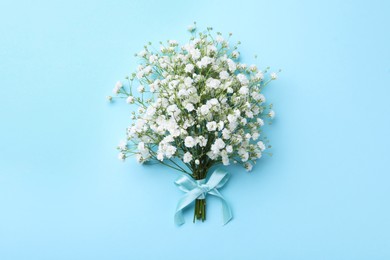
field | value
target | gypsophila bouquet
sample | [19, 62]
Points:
[197, 107]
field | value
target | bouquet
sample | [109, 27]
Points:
[196, 106]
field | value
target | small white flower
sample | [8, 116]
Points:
[189, 142]
[204, 109]
[197, 162]
[225, 134]
[191, 28]
[253, 68]
[248, 166]
[187, 157]
[274, 76]
[189, 68]
[243, 79]
[142, 53]
[232, 65]
[261, 145]
[195, 53]
[141, 89]
[219, 143]
[243, 90]
[121, 156]
[219, 39]
[152, 58]
[160, 156]
[235, 54]
[122, 145]
[172, 42]
[213, 83]
[117, 87]
[211, 126]
[190, 107]
[224, 75]
[188, 81]
[229, 149]
[225, 158]
[205, 61]
[221, 125]
[259, 75]
[202, 141]
[130, 100]
[271, 114]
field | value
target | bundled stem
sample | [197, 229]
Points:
[200, 204]
[200, 210]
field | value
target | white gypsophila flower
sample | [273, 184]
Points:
[226, 134]
[195, 53]
[225, 158]
[271, 114]
[224, 75]
[187, 157]
[191, 28]
[202, 141]
[189, 142]
[197, 103]
[274, 75]
[219, 39]
[153, 58]
[259, 75]
[130, 100]
[142, 53]
[213, 83]
[204, 109]
[248, 166]
[189, 68]
[190, 107]
[141, 89]
[232, 65]
[221, 125]
[122, 145]
[229, 149]
[219, 143]
[117, 87]
[235, 54]
[261, 145]
[243, 79]
[160, 156]
[188, 81]
[253, 68]
[121, 156]
[211, 126]
[243, 90]
[255, 136]
[172, 42]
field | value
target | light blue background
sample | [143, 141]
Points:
[323, 195]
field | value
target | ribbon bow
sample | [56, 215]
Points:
[199, 189]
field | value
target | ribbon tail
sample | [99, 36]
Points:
[226, 211]
[179, 219]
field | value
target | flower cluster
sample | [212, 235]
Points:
[196, 105]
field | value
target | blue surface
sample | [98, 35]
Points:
[323, 195]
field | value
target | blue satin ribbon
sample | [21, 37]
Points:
[199, 189]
